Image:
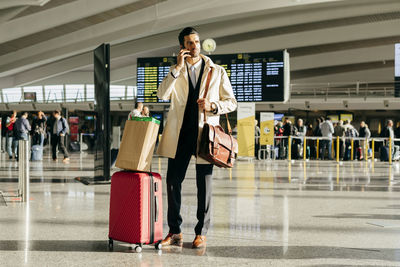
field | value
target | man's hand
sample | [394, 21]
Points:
[183, 54]
[204, 104]
[61, 134]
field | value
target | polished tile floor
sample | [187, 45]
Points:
[316, 213]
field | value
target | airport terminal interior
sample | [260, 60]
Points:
[316, 179]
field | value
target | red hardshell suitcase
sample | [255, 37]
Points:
[136, 214]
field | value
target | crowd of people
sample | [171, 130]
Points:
[328, 133]
[39, 128]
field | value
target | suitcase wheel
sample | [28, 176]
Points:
[110, 243]
[138, 249]
[158, 245]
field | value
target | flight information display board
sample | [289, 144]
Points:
[255, 77]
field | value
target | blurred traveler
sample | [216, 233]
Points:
[278, 131]
[299, 131]
[327, 132]
[3, 133]
[39, 129]
[59, 128]
[145, 112]
[12, 142]
[388, 131]
[397, 133]
[339, 131]
[257, 134]
[350, 133]
[288, 130]
[22, 129]
[137, 112]
[364, 132]
[311, 150]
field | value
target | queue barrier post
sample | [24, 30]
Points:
[304, 148]
[352, 150]
[317, 148]
[289, 148]
[373, 149]
[366, 149]
[80, 142]
[337, 149]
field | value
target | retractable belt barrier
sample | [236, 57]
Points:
[269, 151]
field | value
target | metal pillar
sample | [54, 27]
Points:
[23, 162]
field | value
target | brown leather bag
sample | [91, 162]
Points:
[216, 146]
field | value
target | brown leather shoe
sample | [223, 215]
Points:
[173, 239]
[199, 241]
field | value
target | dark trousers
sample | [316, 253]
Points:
[341, 148]
[326, 144]
[57, 140]
[175, 175]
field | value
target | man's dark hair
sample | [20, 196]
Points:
[24, 113]
[185, 32]
[56, 112]
[328, 118]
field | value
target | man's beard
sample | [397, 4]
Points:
[195, 53]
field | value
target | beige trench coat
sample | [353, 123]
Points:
[220, 92]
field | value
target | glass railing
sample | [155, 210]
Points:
[85, 92]
[63, 93]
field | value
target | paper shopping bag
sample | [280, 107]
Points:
[137, 145]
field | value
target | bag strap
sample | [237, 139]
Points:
[204, 96]
[206, 92]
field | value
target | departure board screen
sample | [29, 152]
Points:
[255, 77]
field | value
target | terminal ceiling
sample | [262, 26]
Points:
[51, 42]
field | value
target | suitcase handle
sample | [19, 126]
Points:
[156, 204]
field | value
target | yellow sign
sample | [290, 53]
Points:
[267, 128]
[334, 118]
[246, 129]
[346, 117]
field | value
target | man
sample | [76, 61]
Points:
[326, 131]
[145, 112]
[58, 128]
[22, 129]
[137, 112]
[39, 129]
[364, 133]
[339, 131]
[300, 130]
[12, 142]
[257, 134]
[288, 130]
[185, 86]
[388, 132]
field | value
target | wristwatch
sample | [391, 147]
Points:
[214, 108]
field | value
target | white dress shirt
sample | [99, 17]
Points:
[197, 70]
